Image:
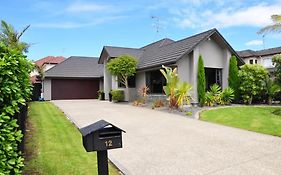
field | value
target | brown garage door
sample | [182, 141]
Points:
[74, 89]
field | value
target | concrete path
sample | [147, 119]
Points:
[158, 143]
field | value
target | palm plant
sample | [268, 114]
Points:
[215, 90]
[41, 72]
[11, 38]
[227, 96]
[176, 91]
[275, 27]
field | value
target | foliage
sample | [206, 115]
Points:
[11, 38]
[123, 67]
[277, 112]
[275, 27]
[189, 113]
[201, 82]
[271, 90]
[209, 99]
[233, 80]
[53, 144]
[252, 78]
[41, 72]
[138, 102]
[217, 96]
[143, 92]
[15, 90]
[101, 95]
[158, 104]
[227, 96]
[259, 119]
[277, 62]
[117, 95]
[175, 90]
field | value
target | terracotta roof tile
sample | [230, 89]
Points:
[50, 59]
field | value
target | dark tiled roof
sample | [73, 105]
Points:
[77, 67]
[264, 52]
[117, 51]
[163, 51]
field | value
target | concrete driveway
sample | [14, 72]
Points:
[160, 143]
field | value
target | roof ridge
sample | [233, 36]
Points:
[123, 47]
[156, 42]
[214, 29]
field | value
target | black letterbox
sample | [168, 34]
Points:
[101, 136]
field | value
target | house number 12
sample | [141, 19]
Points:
[108, 143]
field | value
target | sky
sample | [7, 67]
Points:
[83, 27]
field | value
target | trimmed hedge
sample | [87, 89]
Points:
[201, 82]
[117, 95]
[15, 89]
[233, 80]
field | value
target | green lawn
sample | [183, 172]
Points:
[258, 119]
[54, 146]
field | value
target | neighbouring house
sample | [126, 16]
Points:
[74, 78]
[183, 54]
[45, 63]
[262, 57]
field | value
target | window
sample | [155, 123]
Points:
[155, 81]
[256, 61]
[131, 82]
[251, 61]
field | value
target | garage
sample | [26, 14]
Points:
[74, 89]
[74, 78]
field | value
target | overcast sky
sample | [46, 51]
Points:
[82, 28]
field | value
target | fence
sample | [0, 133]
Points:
[21, 118]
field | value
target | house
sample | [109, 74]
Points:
[45, 64]
[262, 57]
[183, 54]
[74, 78]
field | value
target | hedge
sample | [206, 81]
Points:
[15, 89]
[201, 82]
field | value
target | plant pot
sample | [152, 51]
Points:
[110, 96]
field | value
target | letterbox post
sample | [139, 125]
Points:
[102, 162]
[101, 136]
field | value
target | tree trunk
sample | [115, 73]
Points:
[270, 100]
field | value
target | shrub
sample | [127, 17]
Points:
[277, 62]
[201, 82]
[138, 102]
[227, 96]
[143, 92]
[215, 91]
[15, 90]
[272, 89]
[175, 90]
[209, 99]
[117, 95]
[188, 113]
[101, 95]
[233, 80]
[252, 81]
[158, 104]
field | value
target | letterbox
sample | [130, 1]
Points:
[101, 136]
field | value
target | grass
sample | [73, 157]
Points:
[54, 146]
[258, 119]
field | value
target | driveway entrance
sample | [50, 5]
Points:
[158, 143]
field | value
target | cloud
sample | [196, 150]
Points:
[256, 15]
[79, 7]
[72, 25]
[254, 43]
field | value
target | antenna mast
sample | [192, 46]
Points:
[156, 24]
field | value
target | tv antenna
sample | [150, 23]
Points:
[156, 24]
[263, 41]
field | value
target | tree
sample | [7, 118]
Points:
[201, 82]
[233, 80]
[11, 38]
[252, 81]
[277, 62]
[271, 90]
[275, 27]
[123, 67]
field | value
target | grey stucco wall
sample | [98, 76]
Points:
[107, 82]
[140, 80]
[47, 84]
